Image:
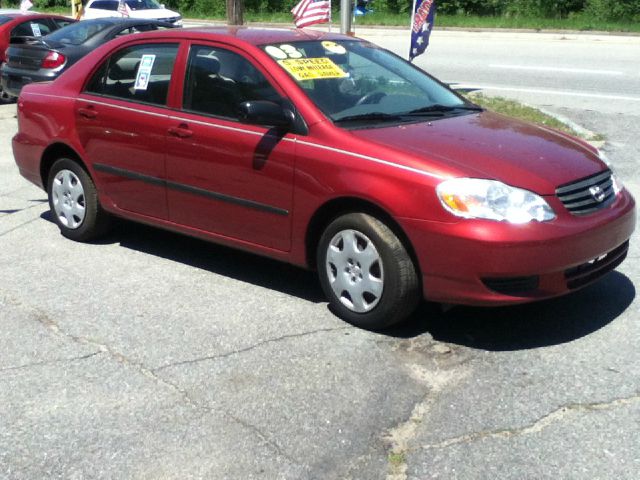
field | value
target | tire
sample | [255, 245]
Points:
[5, 98]
[366, 272]
[73, 201]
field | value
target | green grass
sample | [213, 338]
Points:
[577, 22]
[396, 459]
[527, 113]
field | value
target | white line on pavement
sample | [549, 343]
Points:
[460, 86]
[556, 69]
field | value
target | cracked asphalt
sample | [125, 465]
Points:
[149, 355]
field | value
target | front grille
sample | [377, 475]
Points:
[588, 272]
[512, 285]
[588, 194]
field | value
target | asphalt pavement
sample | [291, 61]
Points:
[151, 355]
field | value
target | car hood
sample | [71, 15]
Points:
[488, 145]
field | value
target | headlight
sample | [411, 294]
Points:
[617, 183]
[492, 200]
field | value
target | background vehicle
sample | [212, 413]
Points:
[327, 152]
[14, 23]
[44, 58]
[149, 9]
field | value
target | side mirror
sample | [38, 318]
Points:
[264, 112]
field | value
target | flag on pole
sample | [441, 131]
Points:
[123, 8]
[309, 12]
[25, 5]
[424, 12]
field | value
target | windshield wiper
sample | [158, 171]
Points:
[438, 109]
[372, 116]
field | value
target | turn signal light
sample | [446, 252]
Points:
[53, 60]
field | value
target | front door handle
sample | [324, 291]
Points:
[88, 112]
[181, 131]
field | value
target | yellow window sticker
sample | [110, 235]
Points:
[333, 47]
[312, 68]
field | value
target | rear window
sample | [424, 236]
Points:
[105, 5]
[78, 33]
[4, 20]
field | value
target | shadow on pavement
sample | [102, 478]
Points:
[527, 326]
[532, 325]
[229, 262]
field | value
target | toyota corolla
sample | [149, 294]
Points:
[327, 152]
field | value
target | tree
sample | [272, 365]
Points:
[235, 10]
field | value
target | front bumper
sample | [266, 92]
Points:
[481, 262]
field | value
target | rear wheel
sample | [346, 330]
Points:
[366, 272]
[6, 98]
[73, 200]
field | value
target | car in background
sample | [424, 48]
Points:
[149, 9]
[38, 59]
[14, 23]
[327, 152]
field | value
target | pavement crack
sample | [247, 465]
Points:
[399, 438]
[552, 418]
[51, 324]
[264, 437]
[249, 348]
[6, 232]
[50, 362]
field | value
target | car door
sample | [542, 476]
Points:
[223, 176]
[122, 122]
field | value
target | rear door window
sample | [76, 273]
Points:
[141, 73]
[32, 28]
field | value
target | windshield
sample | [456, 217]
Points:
[78, 33]
[354, 81]
[4, 20]
[143, 4]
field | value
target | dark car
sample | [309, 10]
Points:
[16, 24]
[38, 59]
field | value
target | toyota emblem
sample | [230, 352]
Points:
[597, 193]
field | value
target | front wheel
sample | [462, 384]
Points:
[366, 272]
[73, 201]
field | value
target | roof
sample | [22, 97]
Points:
[252, 35]
[123, 20]
[9, 12]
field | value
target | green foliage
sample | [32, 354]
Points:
[472, 7]
[628, 10]
[593, 12]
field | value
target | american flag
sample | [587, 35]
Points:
[424, 12]
[309, 12]
[123, 8]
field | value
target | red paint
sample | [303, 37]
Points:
[396, 169]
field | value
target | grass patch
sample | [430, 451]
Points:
[396, 459]
[526, 113]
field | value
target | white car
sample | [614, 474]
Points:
[148, 9]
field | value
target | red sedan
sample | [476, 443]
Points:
[16, 24]
[327, 152]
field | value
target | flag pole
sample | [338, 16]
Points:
[413, 14]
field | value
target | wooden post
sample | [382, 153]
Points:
[235, 11]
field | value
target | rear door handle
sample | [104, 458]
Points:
[88, 112]
[181, 131]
